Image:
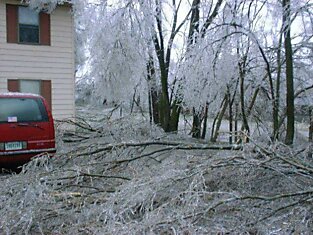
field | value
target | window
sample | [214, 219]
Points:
[27, 26]
[39, 87]
[22, 109]
[30, 86]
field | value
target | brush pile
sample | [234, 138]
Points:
[125, 176]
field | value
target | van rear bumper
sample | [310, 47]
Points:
[13, 159]
[32, 151]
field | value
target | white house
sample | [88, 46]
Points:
[37, 54]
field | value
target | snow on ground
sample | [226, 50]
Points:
[121, 175]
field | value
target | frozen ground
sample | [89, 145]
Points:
[124, 176]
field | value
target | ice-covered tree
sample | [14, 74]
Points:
[47, 5]
[167, 55]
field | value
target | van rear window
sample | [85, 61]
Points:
[22, 110]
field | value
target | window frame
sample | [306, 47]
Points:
[12, 26]
[18, 27]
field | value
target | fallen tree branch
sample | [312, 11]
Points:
[280, 209]
[104, 176]
[308, 193]
[91, 175]
[83, 124]
[284, 159]
[176, 145]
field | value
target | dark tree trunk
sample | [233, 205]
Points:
[311, 131]
[277, 95]
[230, 113]
[174, 119]
[289, 74]
[155, 105]
[153, 93]
[245, 123]
[196, 124]
[168, 109]
[205, 121]
[311, 125]
[231, 99]
[218, 120]
[236, 123]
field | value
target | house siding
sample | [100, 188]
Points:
[55, 62]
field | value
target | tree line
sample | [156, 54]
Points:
[247, 60]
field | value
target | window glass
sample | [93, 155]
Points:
[28, 25]
[27, 16]
[22, 110]
[30, 86]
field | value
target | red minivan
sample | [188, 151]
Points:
[26, 128]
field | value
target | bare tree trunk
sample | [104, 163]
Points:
[231, 99]
[310, 132]
[196, 124]
[150, 106]
[205, 120]
[236, 123]
[176, 108]
[249, 110]
[215, 119]
[245, 123]
[289, 74]
[230, 120]
[168, 109]
[252, 102]
[155, 105]
[153, 93]
[219, 119]
[277, 95]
